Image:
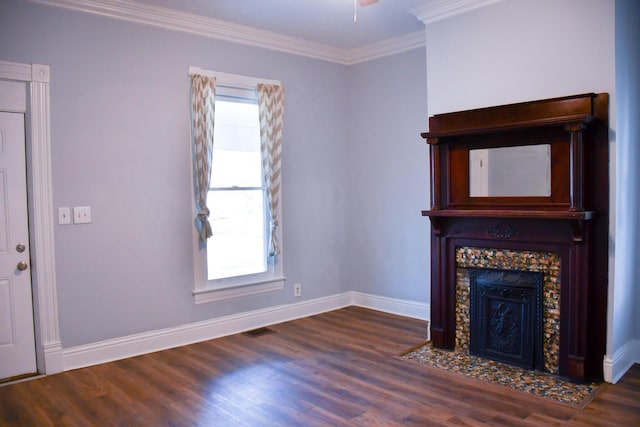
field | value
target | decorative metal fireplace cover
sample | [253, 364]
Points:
[506, 316]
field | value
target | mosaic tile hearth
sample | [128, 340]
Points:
[547, 263]
[535, 383]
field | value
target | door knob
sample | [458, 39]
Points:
[20, 247]
[22, 266]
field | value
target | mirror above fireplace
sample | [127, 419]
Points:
[518, 171]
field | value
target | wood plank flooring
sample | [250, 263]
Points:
[334, 369]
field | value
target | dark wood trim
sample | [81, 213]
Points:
[542, 113]
[510, 213]
[435, 173]
[577, 165]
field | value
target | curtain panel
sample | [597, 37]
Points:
[271, 110]
[203, 90]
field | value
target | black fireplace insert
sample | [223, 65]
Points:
[505, 311]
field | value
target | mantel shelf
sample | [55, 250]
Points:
[432, 136]
[511, 213]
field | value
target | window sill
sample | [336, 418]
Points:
[202, 296]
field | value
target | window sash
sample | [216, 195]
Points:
[238, 246]
[235, 188]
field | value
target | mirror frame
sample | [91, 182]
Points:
[458, 172]
[571, 125]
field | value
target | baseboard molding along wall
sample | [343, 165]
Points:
[148, 342]
[616, 365]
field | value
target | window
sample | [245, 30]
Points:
[235, 260]
[236, 196]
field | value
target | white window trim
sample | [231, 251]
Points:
[234, 80]
[205, 291]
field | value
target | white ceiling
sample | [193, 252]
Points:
[329, 22]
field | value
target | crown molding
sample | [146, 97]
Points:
[173, 20]
[387, 47]
[438, 10]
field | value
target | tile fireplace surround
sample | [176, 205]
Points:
[547, 263]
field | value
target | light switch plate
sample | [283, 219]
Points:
[64, 216]
[81, 214]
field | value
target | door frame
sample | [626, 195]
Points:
[41, 213]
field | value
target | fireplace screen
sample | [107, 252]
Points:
[506, 316]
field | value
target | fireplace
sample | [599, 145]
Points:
[553, 236]
[505, 311]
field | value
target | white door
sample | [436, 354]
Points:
[17, 337]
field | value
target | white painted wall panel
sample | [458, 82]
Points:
[520, 50]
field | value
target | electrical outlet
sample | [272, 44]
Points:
[297, 290]
[81, 215]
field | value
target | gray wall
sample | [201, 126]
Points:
[389, 178]
[626, 294]
[121, 144]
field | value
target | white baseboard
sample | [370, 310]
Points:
[417, 310]
[148, 342]
[615, 367]
[53, 359]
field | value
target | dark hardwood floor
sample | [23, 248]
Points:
[335, 369]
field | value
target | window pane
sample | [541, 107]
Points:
[237, 246]
[236, 145]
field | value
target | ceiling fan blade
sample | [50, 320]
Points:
[367, 2]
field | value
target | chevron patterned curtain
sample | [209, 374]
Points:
[203, 91]
[271, 106]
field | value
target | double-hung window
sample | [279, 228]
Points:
[236, 261]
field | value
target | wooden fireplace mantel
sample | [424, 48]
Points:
[513, 213]
[576, 218]
[572, 219]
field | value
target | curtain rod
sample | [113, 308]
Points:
[232, 79]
